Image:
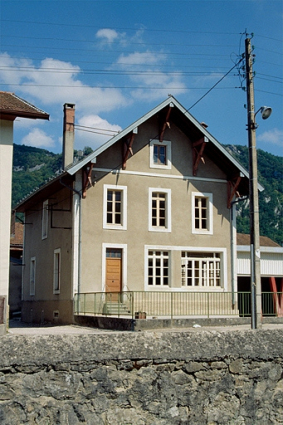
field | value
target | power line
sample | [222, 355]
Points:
[61, 24]
[110, 87]
[140, 43]
[216, 84]
[111, 52]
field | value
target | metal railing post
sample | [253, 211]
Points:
[208, 305]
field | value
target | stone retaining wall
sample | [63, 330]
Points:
[196, 377]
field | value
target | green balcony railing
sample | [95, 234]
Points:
[174, 304]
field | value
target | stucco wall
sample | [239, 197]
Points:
[138, 178]
[59, 236]
[202, 377]
[6, 163]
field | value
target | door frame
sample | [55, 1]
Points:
[123, 247]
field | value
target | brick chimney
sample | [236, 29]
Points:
[68, 134]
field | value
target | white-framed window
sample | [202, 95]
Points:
[158, 268]
[32, 276]
[202, 213]
[160, 154]
[56, 271]
[159, 210]
[201, 269]
[115, 207]
[44, 226]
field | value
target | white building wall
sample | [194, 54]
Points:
[271, 261]
[6, 161]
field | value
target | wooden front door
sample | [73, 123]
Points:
[113, 270]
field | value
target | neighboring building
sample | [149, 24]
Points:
[271, 268]
[11, 107]
[15, 281]
[147, 211]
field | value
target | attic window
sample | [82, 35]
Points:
[160, 154]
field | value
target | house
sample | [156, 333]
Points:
[148, 213]
[11, 107]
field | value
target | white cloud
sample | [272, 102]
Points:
[94, 131]
[39, 139]
[56, 82]
[137, 58]
[153, 81]
[274, 136]
[107, 34]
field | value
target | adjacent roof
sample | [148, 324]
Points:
[12, 106]
[244, 239]
[17, 237]
[189, 125]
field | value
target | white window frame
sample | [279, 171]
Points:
[209, 197]
[56, 273]
[166, 143]
[123, 190]
[167, 227]
[203, 275]
[44, 222]
[32, 276]
[179, 248]
[158, 255]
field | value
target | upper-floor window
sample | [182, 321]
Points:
[160, 210]
[160, 154]
[115, 207]
[57, 271]
[202, 213]
[44, 226]
[32, 276]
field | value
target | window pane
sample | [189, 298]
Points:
[201, 269]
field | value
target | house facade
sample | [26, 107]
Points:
[148, 211]
[11, 107]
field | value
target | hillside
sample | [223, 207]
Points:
[270, 175]
[33, 166]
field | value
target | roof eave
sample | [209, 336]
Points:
[12, 114]
[166, 102]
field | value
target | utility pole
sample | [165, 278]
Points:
[253, 194]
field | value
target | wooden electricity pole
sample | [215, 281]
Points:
[253, 194]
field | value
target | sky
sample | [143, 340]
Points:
[116, 60]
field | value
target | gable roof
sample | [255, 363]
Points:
[189, 125]
[12, 106]
[185, 121]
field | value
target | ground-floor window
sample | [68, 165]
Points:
[57, 271]
[158, 268]
[201, 269]
[32, 276]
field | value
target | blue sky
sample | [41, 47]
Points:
[116, 60]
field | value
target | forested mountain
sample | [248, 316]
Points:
[270, 175]
[32, 167]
